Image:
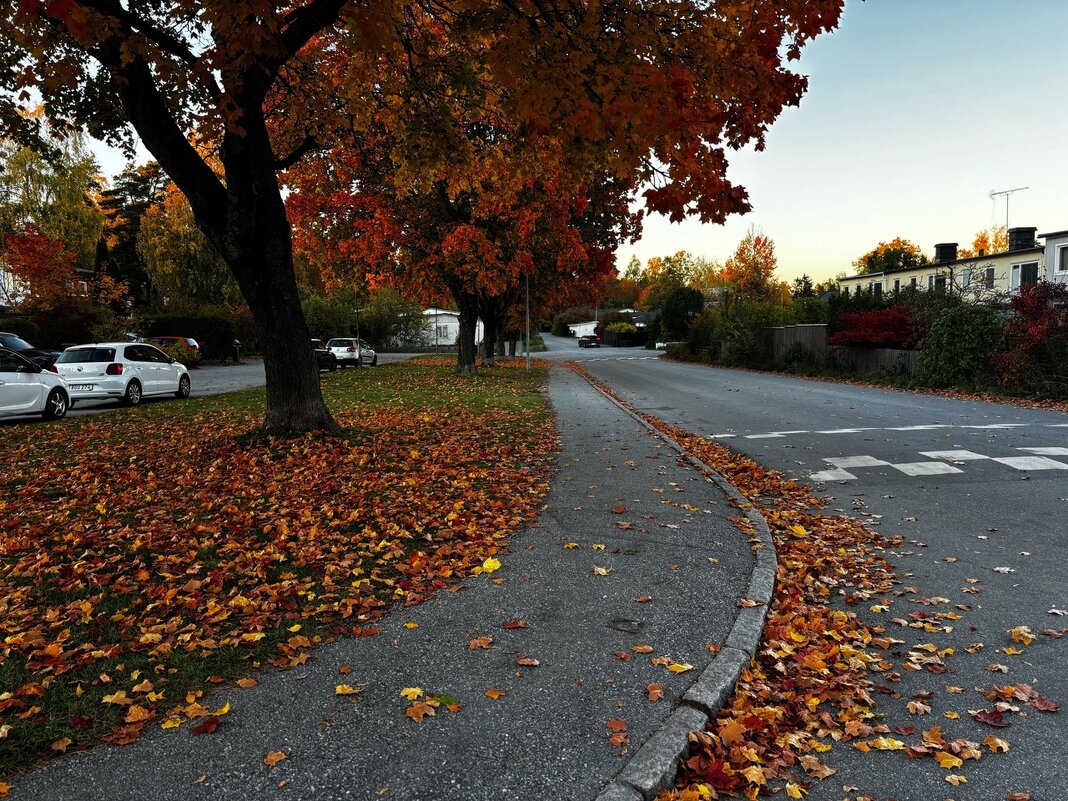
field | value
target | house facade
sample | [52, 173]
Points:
[445, 327]
[1056, 256]
[984, 277]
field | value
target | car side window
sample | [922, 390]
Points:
[9, 364]
[154, 355]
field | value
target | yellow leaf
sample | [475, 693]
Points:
[4, 789]
[601, 571]
[1022, 634]
[411, 625]
[490, 565]
[887, 744]
[293, 629]
[996, 744]
[597, 547]
[956, 780]
[135, 714]
[795, 790]
[948, 761]
[571, 545]
[223, 710]
[171, 723]
[1012, 650]
[951, 715]
[255, 636]
[676, 667]
[798, 531]
[412, 693]
[346, 689]
[754, 774]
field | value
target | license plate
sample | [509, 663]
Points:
[81, 387]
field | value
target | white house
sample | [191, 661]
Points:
[445, 326]
[1056, 256]
[583, 329]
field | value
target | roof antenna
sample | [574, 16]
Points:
[1007, 193]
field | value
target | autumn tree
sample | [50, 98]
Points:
[994, 239]
[750, 270]
[707, 274]
[123, 205]
[897, 254]
[802, 287]
[652, 94]
[662, 276]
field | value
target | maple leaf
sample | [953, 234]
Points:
[991, 717]
[514, 624]
[495, 694]
[947, 761]
[171, 723]
[480, 642]
[273, 758]
[995, 744]
[5, 789]
[412, 693]
[62, 744]
[247, 684]
[571, 545]
[642, 648]
[419, 710]
[137, 714]
[619, 509]
[207, 726]
[345, 689]
[601, 571]
[643, 599]
[527, 661]
[676, 667]
[490, 565]
[956, 780]
[731, 732]
[795, 790]
[654, 692]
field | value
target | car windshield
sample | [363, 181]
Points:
[339, 343]
[14, 343]
[83, 355]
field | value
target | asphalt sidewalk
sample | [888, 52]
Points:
[655, 561]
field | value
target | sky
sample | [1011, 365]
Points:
[916, 110]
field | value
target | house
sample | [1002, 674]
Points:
[445, 326]
[982, 276]
[1056, 256]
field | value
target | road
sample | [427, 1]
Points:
[980, 492]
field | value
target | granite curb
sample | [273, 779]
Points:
[653, 768]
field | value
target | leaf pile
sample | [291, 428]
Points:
[142, 553]
[820, 667]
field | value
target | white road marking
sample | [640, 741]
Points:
[998, 425]
[846, 430]
[1046, 451]
[773, 434]
[1032, 463]
[832, 475]
[855, 461]
[956, 455]
[918, 428]
[926, 468]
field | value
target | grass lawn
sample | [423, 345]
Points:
[149, 553]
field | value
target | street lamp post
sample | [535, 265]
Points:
[527, 277]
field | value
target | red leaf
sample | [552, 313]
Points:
[991, 717]
[207, 726]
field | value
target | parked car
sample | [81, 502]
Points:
[36, 355]
[123, 371]
[326, 358]
[28, 388]
[352, 351]
[589, 341]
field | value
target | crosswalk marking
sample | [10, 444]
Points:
[1031, 463]
[954, 456]
[926, 468]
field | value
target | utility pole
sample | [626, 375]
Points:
[527, 277]
[1007, 193]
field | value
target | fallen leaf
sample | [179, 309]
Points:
[207, 726]
[956, 779]
[62, 744]
[514, 624]
[527, 661]
[601, 571]
[995, 744]
[419, 710]
[676, 667]
[346, 689]
[654, 692]
[274, 758]
[991, 717]
[642, 648]
[947, 761]
[246, 684]
[643, 599]
[495, 694]
[490, 565]
[412, 693]
[619, 509]
[480, 642]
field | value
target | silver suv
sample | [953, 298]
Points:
[352, 351]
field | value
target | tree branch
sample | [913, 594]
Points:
[309, 144]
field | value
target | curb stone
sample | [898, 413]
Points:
[655, 764]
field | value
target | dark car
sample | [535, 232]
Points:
[42, 358]
[327, 360]
[589, 341]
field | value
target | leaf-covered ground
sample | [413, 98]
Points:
[820, 668]
[148, 553]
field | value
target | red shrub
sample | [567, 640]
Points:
[884, 328]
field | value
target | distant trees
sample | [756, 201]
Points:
[897, 254]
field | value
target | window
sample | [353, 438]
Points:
[897, 284]
[443, 332]
[877, 288]
[965, 279]
[1060, 258]
[845, 291]
[912, 283]
[989, 278]
[1025, 274]
[936, 283]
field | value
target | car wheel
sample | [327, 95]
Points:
[132, 396]
[332, 365]
[183, 387]
[374, 361]
[56, 406]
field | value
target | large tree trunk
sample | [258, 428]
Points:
[468, 305]
[489, 309]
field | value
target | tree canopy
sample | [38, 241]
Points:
[653, 95]
[897, 254]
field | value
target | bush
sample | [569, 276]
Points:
[180, 353]
[21, 327]
[884, 328]
[214, 334]
[957, 351]
[621, 328]
[1035, 357]
[560, 328]
[328, 316]
[680, 308]
[797, 355]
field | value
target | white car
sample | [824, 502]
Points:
[27, 388]
[122, 371]
[352, 351]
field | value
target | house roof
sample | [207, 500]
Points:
[1052, 234]
[937, 265]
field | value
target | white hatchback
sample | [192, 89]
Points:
[123, 371]
[27, 388]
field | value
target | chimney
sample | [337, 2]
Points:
[945, 252]
[1021, 238]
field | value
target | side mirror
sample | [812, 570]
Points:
[171, 360]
